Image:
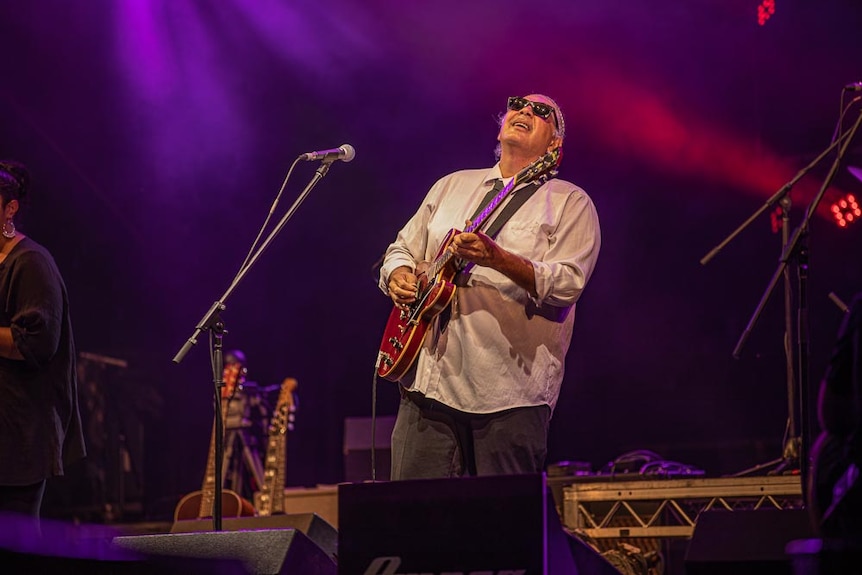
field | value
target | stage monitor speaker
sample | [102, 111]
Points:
[69, 548]
[500, 524]
[21, 563]
[261, 551]
[745, 542]
[315, 528]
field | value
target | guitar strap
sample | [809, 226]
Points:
[498, 185]
[516, 201]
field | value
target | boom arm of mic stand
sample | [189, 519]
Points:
[211, 316]
[318, 175]
[205, 323]
[771, 201]
[791, 246]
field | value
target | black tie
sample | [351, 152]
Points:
[492, 193]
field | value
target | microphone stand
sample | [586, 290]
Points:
[794, 449]
[785, 189]
[212, 322]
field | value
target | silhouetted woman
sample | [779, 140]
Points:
[40, 424]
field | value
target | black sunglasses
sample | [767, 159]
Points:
[540, 109]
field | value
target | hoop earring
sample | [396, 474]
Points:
[8, 229]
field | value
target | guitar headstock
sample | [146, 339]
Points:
[285, 407]
[233, 376]
[542, 169]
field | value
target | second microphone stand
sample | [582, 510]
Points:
[793, 247]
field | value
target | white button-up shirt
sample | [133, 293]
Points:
[501, 348]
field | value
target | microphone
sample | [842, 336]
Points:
[854, 87]
[345, 152]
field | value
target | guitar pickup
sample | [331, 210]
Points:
[395, 343]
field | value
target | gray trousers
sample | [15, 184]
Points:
[431, 440]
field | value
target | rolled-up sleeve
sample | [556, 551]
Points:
[564, 270]
[37, 321]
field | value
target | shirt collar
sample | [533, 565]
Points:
[494, 173]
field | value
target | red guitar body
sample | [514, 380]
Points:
[405, 330]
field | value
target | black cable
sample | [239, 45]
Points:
[374, 420]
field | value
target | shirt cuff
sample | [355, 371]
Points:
[389, 266]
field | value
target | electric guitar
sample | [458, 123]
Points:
[406, 328]
[271, 499]
[199, 504]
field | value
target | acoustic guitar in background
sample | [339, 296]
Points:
[199, 504]
[271, 498]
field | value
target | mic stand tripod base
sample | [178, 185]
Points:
[759, 467]
[788, 461]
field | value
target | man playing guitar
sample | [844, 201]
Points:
[487, 317]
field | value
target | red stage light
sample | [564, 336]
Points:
[846, 210]
[764, 11]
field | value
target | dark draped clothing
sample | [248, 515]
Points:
[40, 423]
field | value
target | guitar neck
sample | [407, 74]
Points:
[440, 262]
[492, 205]
[209, 484]
[274, 476]
[275, 469]
[535, 170]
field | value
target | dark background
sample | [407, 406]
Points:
[158, 134]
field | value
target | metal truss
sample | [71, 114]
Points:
[669, 507]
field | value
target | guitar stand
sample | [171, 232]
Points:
[249, 461]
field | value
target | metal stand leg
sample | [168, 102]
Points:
[250, 461]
